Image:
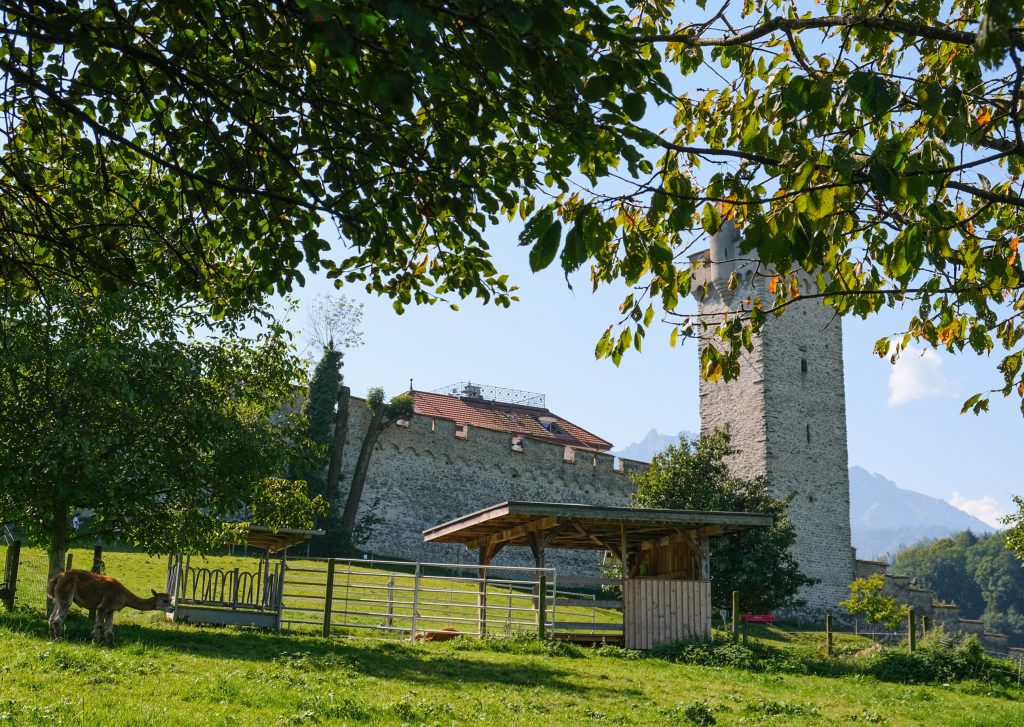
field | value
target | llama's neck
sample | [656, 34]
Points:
[140, 604]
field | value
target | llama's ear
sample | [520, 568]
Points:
[155, 594]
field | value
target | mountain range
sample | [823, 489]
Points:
[884, 517]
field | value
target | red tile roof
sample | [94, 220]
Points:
[502, 417]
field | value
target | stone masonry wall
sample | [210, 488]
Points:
[945, 615]
[424, 475]
[787, 414]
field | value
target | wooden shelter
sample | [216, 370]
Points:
[666, 582]
[238, 596]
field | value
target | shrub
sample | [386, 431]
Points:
[934, 661]
[772, 708]
[698, 713]
[725, 653]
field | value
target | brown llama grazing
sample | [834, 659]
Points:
[106, 595]
[445, 634]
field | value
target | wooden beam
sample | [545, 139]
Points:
[538, 540]
[514, 533]
[488, 551]
[607, 546]
[476, 518]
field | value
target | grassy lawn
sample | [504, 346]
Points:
[169, 674]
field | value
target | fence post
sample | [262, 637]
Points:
[926, 625]
[11, 573]
[282, 570]
[481, 602]
[329, 598]
[828, 634]
[735, 616]
[912, 622]
[69, 561]
[391, 601]
[97, 567]
[542, 607]
[415, 602]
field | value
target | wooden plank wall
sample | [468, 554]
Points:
[660, 611]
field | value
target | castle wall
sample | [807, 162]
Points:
[424, 475]
[944, 615]
[787, 414]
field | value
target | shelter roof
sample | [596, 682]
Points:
[585, 526]
[529, 421]
[274, 541]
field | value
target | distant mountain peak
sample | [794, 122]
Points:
[884, 518]
[654, 442]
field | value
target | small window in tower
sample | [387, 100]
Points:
[803, 366]
[808, 433]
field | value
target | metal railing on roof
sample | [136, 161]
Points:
[484, 392]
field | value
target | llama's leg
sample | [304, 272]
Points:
[109, 630]
[98, 627]
[57, 620]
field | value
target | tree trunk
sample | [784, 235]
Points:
[340, 434]
[355, 491]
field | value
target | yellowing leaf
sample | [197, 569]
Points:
[773, 286]
[984, 117]
[794, 288]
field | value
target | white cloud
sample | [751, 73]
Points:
[917, 374]
[985, 508]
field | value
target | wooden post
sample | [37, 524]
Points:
[828, 634]
[329, 598]
[69, 561]
[542, 609]
[926, 625]
[627, 617]
[279, 594]
[482, 602]
[97, 567]
[415, 602]
[11, 574]
[391, 601]
[735, 616]
[912, 622]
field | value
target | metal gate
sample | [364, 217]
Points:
[348, 595]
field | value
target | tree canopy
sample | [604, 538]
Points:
[867, 599]
[977, 573]
[757, 563]
[408, 127]
[876, 142]
[109, 408]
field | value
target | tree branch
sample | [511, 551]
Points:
[790, 25]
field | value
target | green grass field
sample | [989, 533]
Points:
[167, 674]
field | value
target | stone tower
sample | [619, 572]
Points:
[786, 411]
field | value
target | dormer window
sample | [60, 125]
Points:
[550, 424]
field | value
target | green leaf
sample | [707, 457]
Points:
[711, 218]
[634, 105]
[546, 248]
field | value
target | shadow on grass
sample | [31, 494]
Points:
[382, 659]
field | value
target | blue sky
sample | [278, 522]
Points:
[903, 421]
